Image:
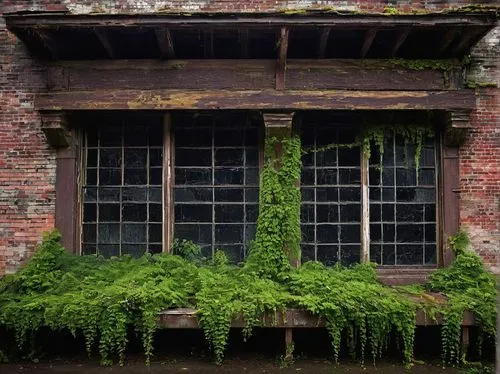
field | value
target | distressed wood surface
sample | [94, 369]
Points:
[185, 318]
[249, 20]
[255, 99]
[250, 74]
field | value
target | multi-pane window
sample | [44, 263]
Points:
[216, 181]
[122, 189]
[403, 204]
[331, 195]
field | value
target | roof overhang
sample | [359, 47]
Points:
[62, 36]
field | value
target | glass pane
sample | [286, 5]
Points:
[136, 158]
[193, 213]
[134, 233]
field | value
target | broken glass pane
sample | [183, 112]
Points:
[108, 233]
[228, 157]
[193, 157]
[192, 194]
[193, 213]
[228, 234]
[155, 176]
[111, 158]
[133, 233]
[193, 176]
[155, 213]
[229, 213]
[89, 212]
[326, 176]
[409, 233]
[409, 254]
[136, 158]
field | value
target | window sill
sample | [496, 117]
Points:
[401, 276]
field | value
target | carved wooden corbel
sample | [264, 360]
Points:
[457, 128]
[54, 127]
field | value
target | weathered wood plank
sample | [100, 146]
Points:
[281, 67]
[257, 20]
[255, 99]
[250, 74]
[185, 318]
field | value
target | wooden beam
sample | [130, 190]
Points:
[243, 38]
[208, 44]
[165, 42]
[369, 37]
[243, 74]
[231, 21]
[48, 42]
[402, 36]
[448, 38]
[323, 42]
[281, 67]
[104, 40]
[256, 99]
[290, 318]
[467, 38]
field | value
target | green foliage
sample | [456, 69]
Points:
[277, 241]
[415, 135]
[468, 286]
[354, 304]
[101, 298]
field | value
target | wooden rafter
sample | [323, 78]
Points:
[448, 38]
[402, 36]
[243, 38]
[165, 42]
[281, 66]
[48, 42]
[208, 44]
[323, 42]
[467, 38]
[105, 42]
[367, 43]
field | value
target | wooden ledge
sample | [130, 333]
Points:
[185, 318]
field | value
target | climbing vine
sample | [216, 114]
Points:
[101, 298]
[277, 241]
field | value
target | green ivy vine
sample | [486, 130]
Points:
[101, 298]
[277, 240]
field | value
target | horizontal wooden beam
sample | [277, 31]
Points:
[253, 20]
[186, 318]
[113, 99]
[244, 74]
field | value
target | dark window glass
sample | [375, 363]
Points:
[331, 193]
[216, 181]
[403, 226]
[122, 165]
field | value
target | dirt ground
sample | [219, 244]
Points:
[198, 366]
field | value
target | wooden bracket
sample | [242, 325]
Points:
[281, 67]
[54, 127]
[48, 41]
[457, 127]
[369, 38]
[165, 42]
[278, 124]
[105, 42]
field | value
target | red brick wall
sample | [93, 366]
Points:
[148, 6]
[480, 156]
[27, 166]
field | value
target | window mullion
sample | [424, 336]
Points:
[365, 208]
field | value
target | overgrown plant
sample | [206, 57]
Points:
[468, 286]
[277, 241]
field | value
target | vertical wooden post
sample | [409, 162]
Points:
[289, 345]
[66, 144]
[365, 210]
[465, 341]
[279, 126]
[454, 136]
[168, 175]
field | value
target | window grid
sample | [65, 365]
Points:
[402, 208]
[230, 191]
[343, 231]
[122, 210]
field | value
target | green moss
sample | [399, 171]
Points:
[479, 84]
[420, 64]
